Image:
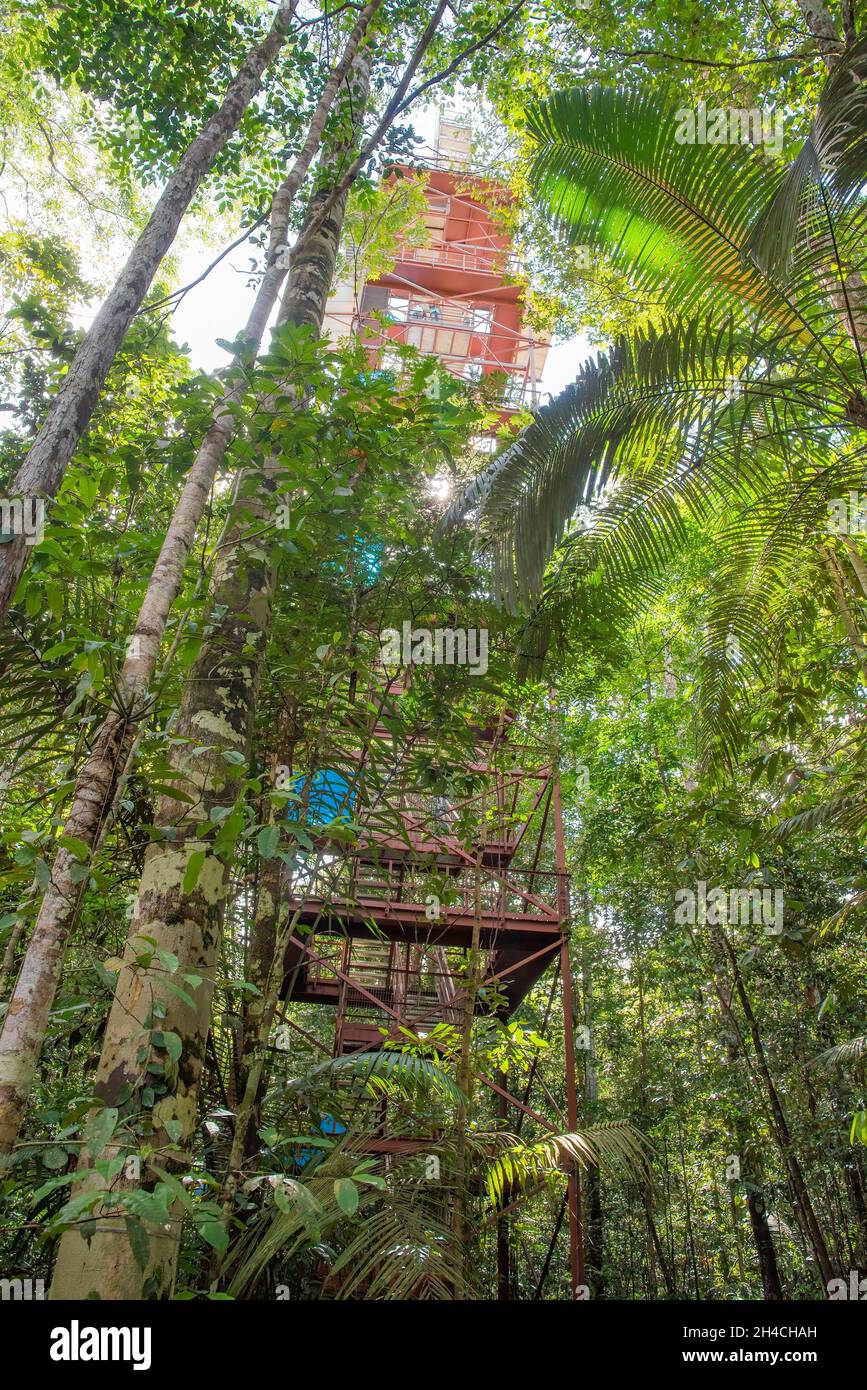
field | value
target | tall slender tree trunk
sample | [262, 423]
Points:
[258, 1009]
[217, 708]
[803, 1203]
[42, 471]
[460, 1200]
[96, 786]
[595, 1254]
[767, 1256]
[765, 1253]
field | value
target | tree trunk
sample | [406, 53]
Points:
[218, 707]
[823, 30]
[473, 982]
[780, 1129]
[96, 786]
[257, 1012]
[595, 1253]
[750, 1177]
[42, 471]
[656, 1247]
[771, 1287]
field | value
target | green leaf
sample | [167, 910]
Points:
[54, 1157]
[177, 989]
[79, 848]
[215, 1233]
[75, 1206]
[174, 1185]
[194, 868]
[347, 1195]
[267, 841]
[139, 1241]
[147, 1206]
[101, 1128]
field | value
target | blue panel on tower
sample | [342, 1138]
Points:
[328, 795]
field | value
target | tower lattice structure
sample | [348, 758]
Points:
[385, 921]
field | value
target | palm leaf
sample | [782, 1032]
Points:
[674, 216]
[842, 1055]
[834, 156]
[610, 1146]
[380, 1072]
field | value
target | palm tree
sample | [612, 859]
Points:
[739, 411]
[394, 1239]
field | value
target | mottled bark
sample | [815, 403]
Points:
[823, 30]
[218, 709]
[96, 785]
[215, 710]
[272, 932]
[269, 918]
[42, 471]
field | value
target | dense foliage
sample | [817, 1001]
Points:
[669, 565]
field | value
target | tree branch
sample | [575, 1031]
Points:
[399, 103]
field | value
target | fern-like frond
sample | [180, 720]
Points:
[609, 1147]
[613, 173]
[833, 157]
[377, 1073]
[844, 1054]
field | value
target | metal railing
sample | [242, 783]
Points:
[364, 885]
[491, 260]
[439, 314]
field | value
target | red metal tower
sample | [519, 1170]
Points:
[458, 297]
[376, 945]
[372, 940]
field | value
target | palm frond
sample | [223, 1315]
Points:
[398, 1244]
[380, 1072]
[834, 156]
[843, 810]
[657, 407]
[842, 1055]
[403, 1250]
[675, 216]
[609, 1146]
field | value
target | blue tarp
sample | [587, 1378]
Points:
[329, 798]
